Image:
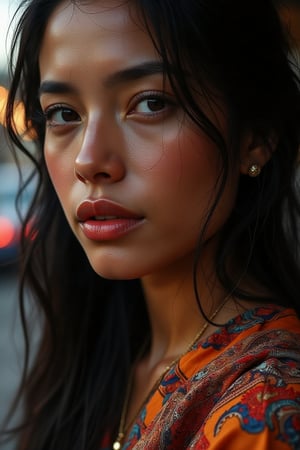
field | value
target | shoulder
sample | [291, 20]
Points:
[257, 404]
[260, 347]
[255, 327]
[260, 409]
[246, 396]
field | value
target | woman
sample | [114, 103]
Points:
[163, 246]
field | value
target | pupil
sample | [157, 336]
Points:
[156, 104]
[68, 115]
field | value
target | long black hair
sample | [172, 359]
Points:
[92, 327]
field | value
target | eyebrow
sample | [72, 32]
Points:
[135, 73]
[56, 87]
[122, 76]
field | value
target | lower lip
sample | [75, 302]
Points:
[108, 230]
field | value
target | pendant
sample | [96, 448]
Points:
[117, 445]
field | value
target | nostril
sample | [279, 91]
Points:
[79, 177]
[97, 176]
[103, 175]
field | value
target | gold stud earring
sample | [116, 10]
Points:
[254, 170]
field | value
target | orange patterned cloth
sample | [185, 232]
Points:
[239, 389]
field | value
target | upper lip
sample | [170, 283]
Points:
[103, 208]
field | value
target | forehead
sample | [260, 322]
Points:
[105, 13]
[100, 28]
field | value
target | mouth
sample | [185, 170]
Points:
[103, 209]
[104, 220]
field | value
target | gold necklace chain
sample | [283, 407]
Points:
[123, 429]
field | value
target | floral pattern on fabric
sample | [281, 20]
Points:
[282, 412]
[238, 389]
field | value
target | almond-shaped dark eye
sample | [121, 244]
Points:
[59, 115]
[151, 105]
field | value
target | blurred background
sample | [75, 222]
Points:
[11, 347]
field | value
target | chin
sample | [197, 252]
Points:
[116, 271]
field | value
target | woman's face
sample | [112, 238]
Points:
[134, 176]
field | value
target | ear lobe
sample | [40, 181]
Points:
[255, 156]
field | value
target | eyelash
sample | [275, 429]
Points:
[51, 110]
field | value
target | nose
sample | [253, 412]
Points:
[100, 158]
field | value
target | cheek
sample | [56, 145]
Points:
[185, 182]
[55, 169]
[186, 166]
[61, 171]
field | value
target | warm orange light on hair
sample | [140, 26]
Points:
[19, 116]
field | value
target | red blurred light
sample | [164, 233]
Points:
[30, 233]
[7, 232]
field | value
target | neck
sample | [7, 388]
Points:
[173, 311]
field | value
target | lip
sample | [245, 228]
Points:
[104, 220]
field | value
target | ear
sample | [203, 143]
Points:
[254, 155]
